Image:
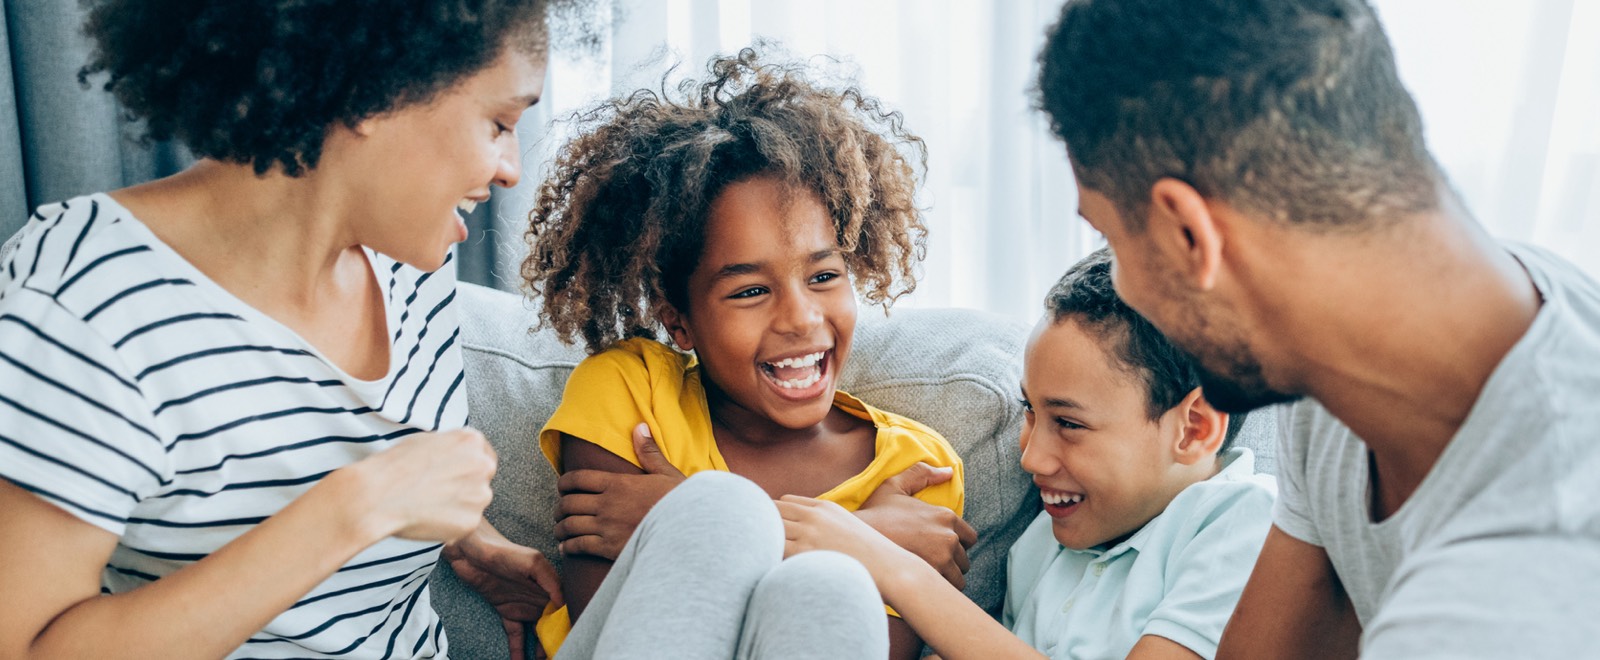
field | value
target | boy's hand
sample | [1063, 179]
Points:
[599, 510]
[934, 533]
[811, 524]
[517, 580]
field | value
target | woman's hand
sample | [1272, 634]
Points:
[517, 580]
[599, 510]
[428, 487]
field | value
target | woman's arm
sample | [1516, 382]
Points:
[430, 487]
[946, 619]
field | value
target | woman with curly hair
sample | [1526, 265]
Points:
[738, 217]
[230, 414]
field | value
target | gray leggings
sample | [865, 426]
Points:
[704, 577]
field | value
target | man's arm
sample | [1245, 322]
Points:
[431, 488]
[1293, 607]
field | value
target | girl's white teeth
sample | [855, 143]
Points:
[799, 383]
[802, 361]
[1058, 499]
[466, 205]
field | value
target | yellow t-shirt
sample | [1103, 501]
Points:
[640, 380]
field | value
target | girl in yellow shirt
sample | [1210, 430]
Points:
[739, 219]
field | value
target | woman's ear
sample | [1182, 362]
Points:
[1185, 225]
[677, 326]
[1204, 429]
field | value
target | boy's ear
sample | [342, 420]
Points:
[673, 321]
[1204, 429]
[1187, 230]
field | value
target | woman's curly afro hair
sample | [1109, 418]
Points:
[620, 223]
[260, 82]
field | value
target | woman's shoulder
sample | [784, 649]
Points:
[62, 239]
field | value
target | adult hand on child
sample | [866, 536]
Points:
[934, 533]
[599, 510]
[517, 580]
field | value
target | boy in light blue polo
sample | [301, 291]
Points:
[1151, 522]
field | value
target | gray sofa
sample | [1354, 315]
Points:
[954, 370]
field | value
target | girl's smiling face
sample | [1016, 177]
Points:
[771, 310]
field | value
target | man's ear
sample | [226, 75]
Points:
[1204, 429]
[1185, 228]
[677, 327]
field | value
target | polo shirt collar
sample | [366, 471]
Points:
[1238, 464]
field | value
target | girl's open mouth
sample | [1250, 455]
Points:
[800, 377]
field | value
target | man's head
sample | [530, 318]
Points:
[1204, 134]
[1116, 421]
[1291, 110]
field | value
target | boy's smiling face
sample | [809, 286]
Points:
[1103, 467]
[771, 308]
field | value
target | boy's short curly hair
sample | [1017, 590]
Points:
[620, 223]
[262, 81]
[1086, 294]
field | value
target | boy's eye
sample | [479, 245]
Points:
[1067, 424]
[748, 293]
[1026, 407]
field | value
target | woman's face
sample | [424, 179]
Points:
[416, 170]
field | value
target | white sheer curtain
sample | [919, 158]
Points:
[1510, 93]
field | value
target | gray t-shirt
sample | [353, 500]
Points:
[1497, 553]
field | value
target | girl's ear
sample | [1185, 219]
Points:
[677, 327]
[1204, 429]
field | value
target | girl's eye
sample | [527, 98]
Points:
[825, 277]
[748, 293]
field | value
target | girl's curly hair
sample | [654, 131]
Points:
[261, 81]
[620, 223]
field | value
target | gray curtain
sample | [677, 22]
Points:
[59, 140]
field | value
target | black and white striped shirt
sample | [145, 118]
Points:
[143, 398]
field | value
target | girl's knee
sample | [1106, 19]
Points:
[824, 578]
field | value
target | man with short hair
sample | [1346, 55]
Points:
[1261, 175]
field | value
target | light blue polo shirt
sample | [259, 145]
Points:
[1178, 577]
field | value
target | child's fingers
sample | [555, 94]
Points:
[584, 481]
[650, 457]
[799, 499]
[965, 533]
[918, 478]
[591, 545]
[575, 526]
[578, 504]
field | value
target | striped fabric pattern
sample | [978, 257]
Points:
[141, 397]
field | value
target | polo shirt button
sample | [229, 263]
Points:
[1068, 605]
[1099, 569]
